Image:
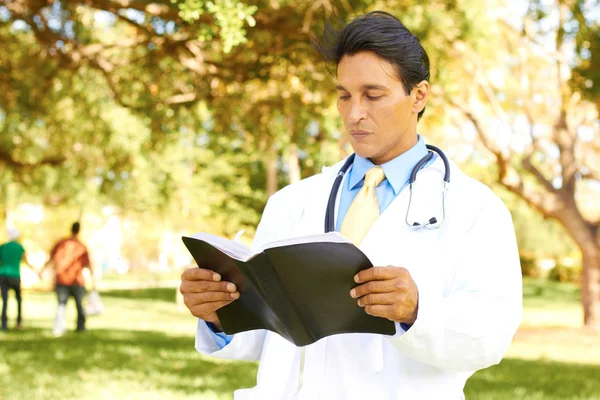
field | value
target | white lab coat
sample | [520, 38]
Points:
[470, 297]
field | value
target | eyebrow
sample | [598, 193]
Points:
[369, 86]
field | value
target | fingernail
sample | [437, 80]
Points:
[235, 295]
[356, 278]
[358, 302]
[216, 277]
[231, 287]
[353, 293]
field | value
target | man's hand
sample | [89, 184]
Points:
[204, 293]
[387, 292]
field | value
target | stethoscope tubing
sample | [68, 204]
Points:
[330, 211]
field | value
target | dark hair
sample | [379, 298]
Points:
[75, 228]
[383, 34]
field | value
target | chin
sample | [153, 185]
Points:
[364, 151]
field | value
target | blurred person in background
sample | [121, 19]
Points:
[12, 254]
[69, 257]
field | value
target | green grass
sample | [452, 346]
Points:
[142, 347]
[108, 364]
[515, 379]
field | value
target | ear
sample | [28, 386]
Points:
[420, 94]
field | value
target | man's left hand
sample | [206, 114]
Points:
[387, 292]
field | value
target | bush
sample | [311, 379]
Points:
[529, 266]
[565, 273]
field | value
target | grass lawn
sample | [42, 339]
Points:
[142, 348]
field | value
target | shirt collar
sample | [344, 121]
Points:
[397, 171]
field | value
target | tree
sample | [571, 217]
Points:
[132, 76]
[532, 100]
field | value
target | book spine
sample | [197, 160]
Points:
[283, 304]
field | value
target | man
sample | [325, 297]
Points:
[70, 257]
[12, 254]
[454, 293]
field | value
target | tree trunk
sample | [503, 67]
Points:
[293, 164]
[590, 286]
[587, 237]
[271, 171]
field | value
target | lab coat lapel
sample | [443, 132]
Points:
[314, 204]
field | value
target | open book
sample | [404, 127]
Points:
[298, 288]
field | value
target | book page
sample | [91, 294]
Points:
[331, 237]
[232, 248]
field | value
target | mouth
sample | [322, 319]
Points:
[358, 134]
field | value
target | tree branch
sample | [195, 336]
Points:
[166, 9]
[144, 29]
[548, 202]
[7, 158]
[532, 169]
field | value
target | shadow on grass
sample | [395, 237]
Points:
[152, 360]
[161, 294]
[532, 380]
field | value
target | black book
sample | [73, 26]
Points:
[298, 288]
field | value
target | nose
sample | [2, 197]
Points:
[357, 112]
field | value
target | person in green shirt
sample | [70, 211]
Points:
[12, 254]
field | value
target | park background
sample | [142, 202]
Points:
[149, 120]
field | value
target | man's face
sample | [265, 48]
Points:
[379, 116]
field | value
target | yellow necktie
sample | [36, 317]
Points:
[364, 209]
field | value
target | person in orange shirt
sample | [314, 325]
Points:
[69, 257]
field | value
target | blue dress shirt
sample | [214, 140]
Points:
[221, 338]
[397, 173]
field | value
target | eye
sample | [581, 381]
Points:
[374, 98]
[344, 97]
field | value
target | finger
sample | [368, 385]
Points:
[379, 273]
[206, 286]
[379, 299]
[192, 299]
[374, 287]
[200, 274]
[205, 309]
[379, 310]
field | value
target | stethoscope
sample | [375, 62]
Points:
[432, 223]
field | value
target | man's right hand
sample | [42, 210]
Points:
[204, 293]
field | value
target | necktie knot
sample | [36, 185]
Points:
[374, 177]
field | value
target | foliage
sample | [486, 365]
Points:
[565, 273]
[529, 266]
[230, 17]
[175, 108]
